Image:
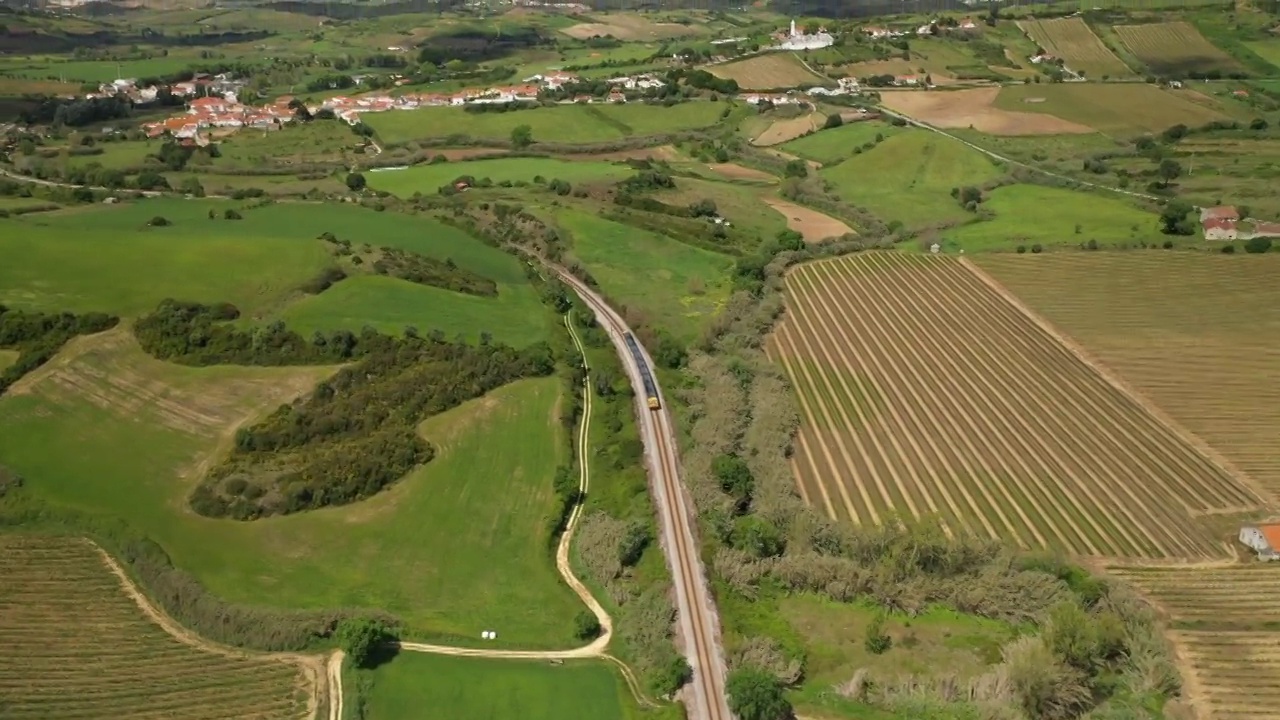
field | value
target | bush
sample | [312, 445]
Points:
[1022, 249]
[586, 626]
[877, 641]
[833, 121]
[1257, 245]
[1228, 249]
[231, 214]
[363, 640]
[755, 694]
[356, 182]
[159, 221]
[1036, 248]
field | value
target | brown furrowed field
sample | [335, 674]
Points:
[1075, 42]
[926, 391]
[767, 72]
[75, 645]
[1226, 627]
[1175, 47]
[1199, 335]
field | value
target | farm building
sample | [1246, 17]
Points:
[1264, 539]
[1221, 212]
[1219, 229]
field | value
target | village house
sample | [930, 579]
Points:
[879, 33]
[1263, 539]
[1219, 229]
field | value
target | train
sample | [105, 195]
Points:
[646, 377]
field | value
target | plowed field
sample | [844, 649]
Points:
[926, 391]
[1226, 631]
[1074, 41]
[76, 646]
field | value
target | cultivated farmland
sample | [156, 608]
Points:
[1175, 47]
[926, 391]
[1073, 41]
[768, 71]
[1207, 356]
[1224, 626]
[1114, 108]
[77, 646]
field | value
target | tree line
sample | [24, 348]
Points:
[39, 336]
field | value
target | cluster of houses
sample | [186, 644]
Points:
[221, 113]
[1224, 223]
[222, 84]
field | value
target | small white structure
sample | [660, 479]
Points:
[1263, 539]
[796, 40]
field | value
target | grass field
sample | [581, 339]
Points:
[1126, 109]
[1203, 359]
[738, 204]
[7, 358]
[426, 179]
[105, 428]
[832, 146]
[297, 144]
[514, 317]
[414, 686]
[676, 286]
[909, 177]
[1175, 48]
[1072, 40]
[118, 155]
[76, 646]
[1037, 215]
[107, 259]
[639, 119]
[90, 71]
[921, 380]
[1268, 50]
[768, 71]
[1225, 630]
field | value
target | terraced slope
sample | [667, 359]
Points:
[926, 391]
[77, 647]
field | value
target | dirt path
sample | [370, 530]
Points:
[312, 666]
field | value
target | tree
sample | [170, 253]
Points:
[735, 478]
[796, 169]
[521, 137]
[1258, 124]
[1169, 170]
[361, 638]
[151, 180]
[833, 121]
[755, 694]
[1174, 221]
[1257, 245]
[191, 186]
[356, 182]
[586, 626]
[231, 214]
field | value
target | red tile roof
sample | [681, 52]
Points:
[1219, 224]
[1272, 534]
[1221, 211]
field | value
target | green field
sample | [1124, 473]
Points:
[1268, 50]
[909, 178]
[831, 146]
[458, 546]
[740, 205]
[675, 286]
[7, 358]
[427, 179]
[1115, 109]
[1033, 214]
[117, 155]
[415, 686]
[563, 124]
[515, 317]
[300, 143]
[90, 71]
[107, 259]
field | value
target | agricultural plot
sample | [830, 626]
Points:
[925, 391]
[975, 109]
[909, 178]
[1175, 48]
[1208, 358]
[1225, 629]
[1072, 40]
[831, 146]
[770, 71]
[1116, 109]
[77, 646]
[427, 179]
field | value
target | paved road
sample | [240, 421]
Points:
[698, 625]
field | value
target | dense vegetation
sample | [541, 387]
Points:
[38, 336]
[356, 433]
[406, 265]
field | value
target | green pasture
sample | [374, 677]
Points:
[1268, 50]
[14, 204]
[7, 358]
[739, 204]
[909, 178]
[515, 317]
[458, 546]
[94, 71]
[677, 287]
[1032, 214]
[115, 155]
[415, 686]
[106, 258]
[641, 119]
[561, 124]
[427, 179]
[832, 146]
[1123, 109]
[299, 143]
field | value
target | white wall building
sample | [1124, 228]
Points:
[796, 40]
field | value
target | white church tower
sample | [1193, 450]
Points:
[793, 28]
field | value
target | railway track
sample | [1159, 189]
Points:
[697, 619]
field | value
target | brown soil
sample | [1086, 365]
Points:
[660, 152]
[975, 108]
[628, 28]
[785, 130]
[813, 225]
[455, 154]
[734, 171]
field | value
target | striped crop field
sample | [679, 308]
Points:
[1075, 42]
[1197, 334]
[925, 390]
[1226, 626]
[1175, 47]
[76, 646]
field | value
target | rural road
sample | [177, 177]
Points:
[698, 624]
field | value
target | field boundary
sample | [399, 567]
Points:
[312, 666]
[1170, 424]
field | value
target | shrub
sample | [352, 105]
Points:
[363, 638]
[1228, 249]
[231, 214]
[755, 694]
[159, 221]
[1257, 245]
[833, 121]
[586, 626]
[1036, 248]
[877, 640]
[1022, 249]
[356, 182]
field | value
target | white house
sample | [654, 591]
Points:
[1263, 539]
